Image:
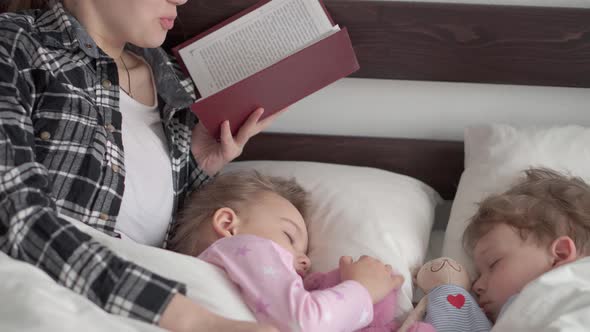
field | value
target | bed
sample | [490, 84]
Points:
[413, 41]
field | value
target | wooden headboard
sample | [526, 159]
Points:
[425, 41]
[437, 163]
[443, 42]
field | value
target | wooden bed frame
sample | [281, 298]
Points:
[425, 41]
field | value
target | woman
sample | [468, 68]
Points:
[79, 81]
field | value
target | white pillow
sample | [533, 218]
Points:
[359, 210]
[495, 157]
[355, 211]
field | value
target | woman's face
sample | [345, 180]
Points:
[143, 23]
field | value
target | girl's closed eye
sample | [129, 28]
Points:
[495, 262]
[289, 237]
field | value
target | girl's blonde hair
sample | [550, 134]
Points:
[237, 190]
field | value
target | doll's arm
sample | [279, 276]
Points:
[416, 315]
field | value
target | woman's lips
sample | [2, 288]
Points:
[167, 23]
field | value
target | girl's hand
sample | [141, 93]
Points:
[377, 277]
[212, 154]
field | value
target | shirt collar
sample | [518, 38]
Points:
[61, 29]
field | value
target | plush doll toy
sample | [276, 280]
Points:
[441, 271]
[437, 272]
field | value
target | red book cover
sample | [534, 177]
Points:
[278, 86]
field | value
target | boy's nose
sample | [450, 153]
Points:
[477, 287]
[302, 265]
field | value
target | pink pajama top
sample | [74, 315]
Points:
[274, 291]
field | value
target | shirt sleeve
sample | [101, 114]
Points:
[31, 231]
[274, 291]
[196, 176]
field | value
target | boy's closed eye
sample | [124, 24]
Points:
[494, 263]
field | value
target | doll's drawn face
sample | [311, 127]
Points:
[506, 263]
[442, 271]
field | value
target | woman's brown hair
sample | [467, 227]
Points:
[16, 5]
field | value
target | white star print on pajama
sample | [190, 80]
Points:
[364, 318]
[273, 290]
[269, 271]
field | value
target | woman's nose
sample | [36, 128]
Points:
[303, 264]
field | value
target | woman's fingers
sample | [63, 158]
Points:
[250, 127]
[269, 119]
[225, 136]
[254, 125]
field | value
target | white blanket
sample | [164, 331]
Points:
[557, 301]
[31, 301]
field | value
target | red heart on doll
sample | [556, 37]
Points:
[456, 300]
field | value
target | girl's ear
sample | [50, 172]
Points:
[225, 221]
[563, 250]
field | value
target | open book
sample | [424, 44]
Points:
[270, 55]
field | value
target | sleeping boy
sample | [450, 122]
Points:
[253, 227]
[541, 223]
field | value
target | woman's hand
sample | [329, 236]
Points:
[212, 154]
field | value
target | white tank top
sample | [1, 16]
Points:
[146, 209]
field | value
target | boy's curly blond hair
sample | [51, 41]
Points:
[545, 205]
[235, 190]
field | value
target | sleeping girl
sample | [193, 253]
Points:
[253, 227]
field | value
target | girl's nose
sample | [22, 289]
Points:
[303, 264]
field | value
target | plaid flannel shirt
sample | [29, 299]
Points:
[61, 153]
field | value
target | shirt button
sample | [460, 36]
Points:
[115, 168]
[45, 135]
[88, 45]
[104, 216]
[110, 127]
[106, 84]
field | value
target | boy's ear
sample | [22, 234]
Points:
[563, 250]
[225, 222]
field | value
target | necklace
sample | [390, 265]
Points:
[128, 76]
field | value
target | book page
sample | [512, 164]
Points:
[254, 42]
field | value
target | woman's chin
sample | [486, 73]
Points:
[151, 42]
